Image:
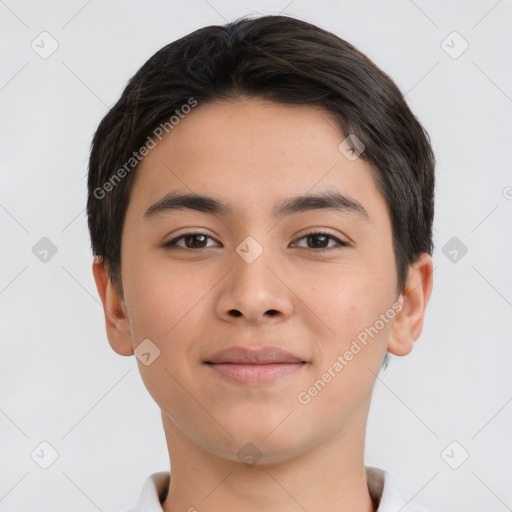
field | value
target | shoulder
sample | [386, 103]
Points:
[385, 492]
[153, 493]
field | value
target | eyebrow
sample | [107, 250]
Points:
[293, 205]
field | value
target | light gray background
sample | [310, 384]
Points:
[59, 380]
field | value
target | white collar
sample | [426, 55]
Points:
[380, 483]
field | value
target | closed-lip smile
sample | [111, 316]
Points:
[254, 366]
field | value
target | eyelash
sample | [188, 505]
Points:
[173, 243]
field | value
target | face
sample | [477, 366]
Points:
[270, 270]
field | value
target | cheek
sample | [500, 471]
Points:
[340, 298]
[161, 298]
[348, 362]
[348, 304]
[165, 306]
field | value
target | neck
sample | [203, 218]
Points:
[327, 477]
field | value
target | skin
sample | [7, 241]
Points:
[252, 154]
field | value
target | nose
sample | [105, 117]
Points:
[255, 290]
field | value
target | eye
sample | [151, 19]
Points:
[320, 241]
[314, 240]
[191, 241]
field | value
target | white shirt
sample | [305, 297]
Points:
[380, 484]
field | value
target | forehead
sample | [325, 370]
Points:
[251, 152]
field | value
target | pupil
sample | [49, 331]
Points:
[194, 237]
[316, 237]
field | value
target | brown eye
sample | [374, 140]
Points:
[195, 241]
[190, 241]
[320, 241]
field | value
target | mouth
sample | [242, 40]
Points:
[253, 367]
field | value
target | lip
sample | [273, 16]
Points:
[256, 366]
[262, 355]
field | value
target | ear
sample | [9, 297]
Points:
[408, 324]
[116, 320]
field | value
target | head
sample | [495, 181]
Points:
[249, 116]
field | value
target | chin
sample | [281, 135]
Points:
[262, 442]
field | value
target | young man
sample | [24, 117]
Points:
[260, 208]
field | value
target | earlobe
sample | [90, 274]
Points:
[116, 318]
[408, 323]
